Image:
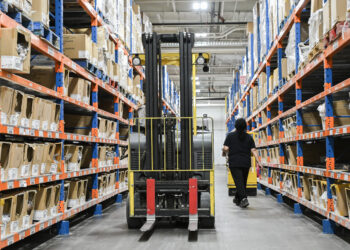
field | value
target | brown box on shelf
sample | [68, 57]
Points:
[116, 71]
[28, 155]
[83, 191]
[38, 159]
[27, 7]
[311, 121]
[347, 194]
[305, 187]
[55, 197]
[275, 131]
[123, 133]
[6, 97]
[53, 158]
[46, 115]
[55, 116]
[74, 193]
[338, 11]
[86, 157]
[40, 12]
[316, 5]
[77, 46]
[27, 112]
[46, 76]
[15, 50]
[19, 105]
[19, 211]
[102, 127]
[42, 202]
[339, 197]
[111, 129]
[250, 27]
[94, 51]
[102, 151]
[14, 161]
[76, 88]
[72, 157]
[78, 124]
[327, 17]
[66, 194]
[7, 213]
[28, 212]
[341, 111]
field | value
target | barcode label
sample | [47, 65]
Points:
[41, 179]
[41, 227]
[23, 183]
[41, 133]
[10, 130]
[32, 132]
[32, 181]
[335, 45]
[32, 230]
[51, 51]
[10, 185]
[10, 240]
[21, 235]
[74, 66]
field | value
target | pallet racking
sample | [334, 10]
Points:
[310, 91]
[62, 62]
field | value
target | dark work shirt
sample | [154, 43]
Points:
[239, 150]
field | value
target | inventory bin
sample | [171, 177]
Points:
[28, 156]
[314, 154]
[7, 213]
[74, 193]
[40, 12]
[77, 46]
[6, 98]
[86, 157]
[28, 211]
[79, 89]
[15, 50]
[72, 157]
[53, 153]
[42, 202]
[339, 198]
[78, 124]
[46, 76]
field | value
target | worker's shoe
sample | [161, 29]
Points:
[244, 203]
[236, 201]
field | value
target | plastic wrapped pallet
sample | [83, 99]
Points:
[272, 19]
[290, 49]
[315, 28]
[263, 22]
[256, 19]
[283, 10]
[338, 11]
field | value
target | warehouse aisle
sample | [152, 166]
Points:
[265, 225]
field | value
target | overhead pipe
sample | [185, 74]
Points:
[199, 23]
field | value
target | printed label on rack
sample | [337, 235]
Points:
[10, 240]
[41, 179]
[74, 66]
[11, 62]
[41, 226]
[21, 235]
[10, 185]
[32, 230]
[335, 45]
[23, 183]
[10, 130]
[50, 51]
[41, 133]
[32, 181]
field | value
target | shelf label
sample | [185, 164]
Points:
[335, 45]
[41, 179]
[10, 130]
[21, 235]
[23, 183]
[74, 66]
[32, 230]
[51, 51]
[10, 185]
[49, 178]
[10, 240]
[41, 226]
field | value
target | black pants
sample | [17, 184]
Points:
[240, 176]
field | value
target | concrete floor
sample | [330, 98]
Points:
[264, 225]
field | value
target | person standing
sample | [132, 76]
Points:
[239, 146]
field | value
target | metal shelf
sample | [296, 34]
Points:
[343, 221]
[41, 225]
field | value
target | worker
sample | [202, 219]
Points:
[239, 145]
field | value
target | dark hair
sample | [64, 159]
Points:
[241, 127]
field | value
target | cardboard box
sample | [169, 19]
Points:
[7, 213]
[42, 202]
[78, 124]
[6, 98]
[116, 71]
[111, 129]
[72, 157]
[86, 157]
[28, 211]
[15, 50]
[110, 154]
[66, 194]
[102, 127]
[250, 27]
[46, 76]
[74, 191]
[19, 104]
[36, 113]
[55, 197]
[28, 154]
[40, 12]
[53, 152]
[327, 18]
[27, 7]
[305, 187]
[46, 114]
[27, 112]
[20, 211]
[347, 192]
[76, 88]
[94, 51]
[316, 5]
[339, 198]
[55, 116]
[38, 159]
[338, 11]
[102, 151]
[77, 46]
[311, 121]
[83, 191]
[341, 111]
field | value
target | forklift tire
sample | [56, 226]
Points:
[207, 222]
[133, 223]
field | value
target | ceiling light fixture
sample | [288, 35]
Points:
[198, 90]
[201, 35]
[198, 83]
[200, 5]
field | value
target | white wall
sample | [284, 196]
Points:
[218, 114]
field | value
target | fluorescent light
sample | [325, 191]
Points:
[204, 5]
[198, 90]
[201, 34]
[198, 83]
[197, 78]
[196, 5]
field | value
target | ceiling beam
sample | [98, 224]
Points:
[198, 23]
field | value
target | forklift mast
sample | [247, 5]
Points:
[153, 93]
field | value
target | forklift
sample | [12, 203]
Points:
[171, 168]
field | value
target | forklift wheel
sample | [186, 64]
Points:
[207, 222]
[133, 223]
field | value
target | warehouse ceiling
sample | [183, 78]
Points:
[220, 29]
